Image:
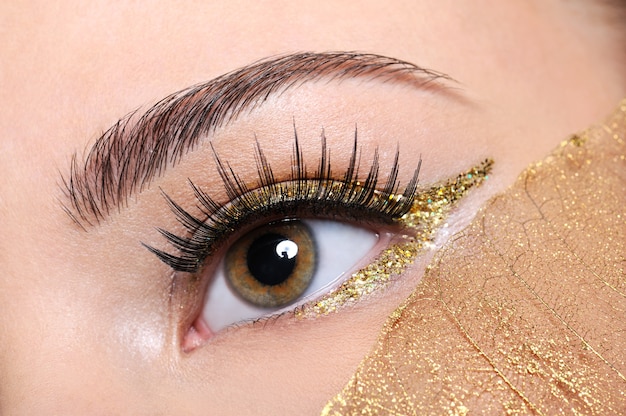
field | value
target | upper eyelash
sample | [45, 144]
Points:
[300, 192]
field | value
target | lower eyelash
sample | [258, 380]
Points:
[318, 194]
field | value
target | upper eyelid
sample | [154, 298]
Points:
[353, 195]
[137, 149]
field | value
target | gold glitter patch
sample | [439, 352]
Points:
[427, 214]
[524, 311]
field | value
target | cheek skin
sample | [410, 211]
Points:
[86, 337]
[270, 360]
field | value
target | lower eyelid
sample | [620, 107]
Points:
[199, 332]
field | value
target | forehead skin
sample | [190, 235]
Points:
[81, 334]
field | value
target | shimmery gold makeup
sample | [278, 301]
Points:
[523, 312]
[429, 210]
[311, 193]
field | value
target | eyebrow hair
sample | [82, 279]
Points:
[138, 148]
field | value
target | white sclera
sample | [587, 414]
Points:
[340, 247]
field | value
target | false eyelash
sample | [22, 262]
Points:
[319, 194]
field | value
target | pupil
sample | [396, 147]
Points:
[271, 258]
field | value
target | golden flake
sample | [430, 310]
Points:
[428, 213]
[523, 311]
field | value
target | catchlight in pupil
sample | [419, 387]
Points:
[273, 265]
[272, 258]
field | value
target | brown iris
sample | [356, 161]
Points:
[273, 265]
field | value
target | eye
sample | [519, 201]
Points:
[275, 267]
[332, 223]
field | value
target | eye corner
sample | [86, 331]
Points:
[197, 335]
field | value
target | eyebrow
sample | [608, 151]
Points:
[139, 147]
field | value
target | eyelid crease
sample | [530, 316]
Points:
[138, 148]
[315, 195]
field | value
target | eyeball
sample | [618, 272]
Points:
[281, 265]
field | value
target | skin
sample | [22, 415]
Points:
[86, 325]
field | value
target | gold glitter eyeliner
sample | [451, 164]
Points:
[426, 215]
[523, 311]
[319, 194]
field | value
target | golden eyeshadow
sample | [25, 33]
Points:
[425, 217]
[303, 192]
